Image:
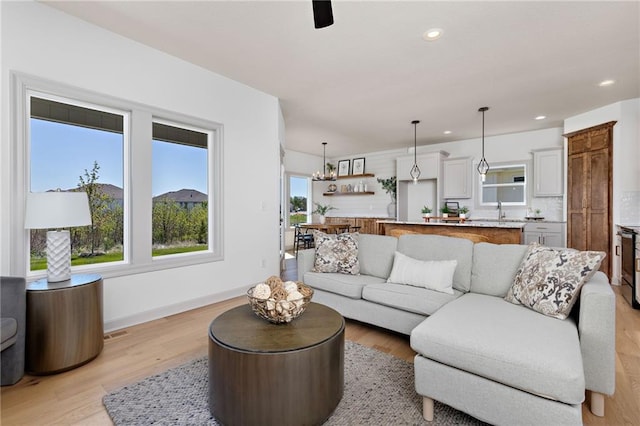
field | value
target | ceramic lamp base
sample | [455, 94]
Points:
[58, 256]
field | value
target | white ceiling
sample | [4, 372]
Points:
[358, 84]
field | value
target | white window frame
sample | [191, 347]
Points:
[137, 197]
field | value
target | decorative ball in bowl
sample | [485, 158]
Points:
[279, 302]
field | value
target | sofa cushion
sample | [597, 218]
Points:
[408, 298]
[506, 343]
[336, 253]
[494, 267]
[434, 275]
[437, 247]
[8, 332]
[549, 280]
[375, 254]
[344, 285]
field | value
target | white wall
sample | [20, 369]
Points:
[626, 160]
[44, 42]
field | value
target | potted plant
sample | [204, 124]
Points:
[426, 211]
[445, 211]
[389, 185]
[322, 211]
[463, 212]
[331, 168]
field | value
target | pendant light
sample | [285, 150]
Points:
[415, 170]
[483, 166]
[323, 176]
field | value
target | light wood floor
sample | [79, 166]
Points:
[75, 397]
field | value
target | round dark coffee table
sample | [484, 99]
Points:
[276, 374]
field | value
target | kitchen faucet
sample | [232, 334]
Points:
[501, 214]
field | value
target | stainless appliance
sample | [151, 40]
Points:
[630, 244]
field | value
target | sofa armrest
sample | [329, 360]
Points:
[306, 259]
[597, 331]
[13, 304]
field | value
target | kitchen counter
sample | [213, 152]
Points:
[465, 224]
[493, 232]
[365, 215]
[523, 220]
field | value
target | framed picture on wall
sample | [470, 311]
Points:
[358, 166]
[343, 167]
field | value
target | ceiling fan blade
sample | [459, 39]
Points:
[322, 13]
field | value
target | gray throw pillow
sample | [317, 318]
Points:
[336, 253]
[549, 280]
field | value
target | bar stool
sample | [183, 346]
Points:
[301, 238]
[343, 229]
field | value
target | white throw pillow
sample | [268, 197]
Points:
[431, 274]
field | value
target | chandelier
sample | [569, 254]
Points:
[332, 174]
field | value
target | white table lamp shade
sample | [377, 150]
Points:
[57, 209]
[47, 210]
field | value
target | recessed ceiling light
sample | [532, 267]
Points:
[432, 34]
[605, 83]
[541, 117]
[447, 132]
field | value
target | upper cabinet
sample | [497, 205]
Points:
[429, 165]
[547, 173]
[457, 178]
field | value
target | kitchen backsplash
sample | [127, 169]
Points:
[630, 208]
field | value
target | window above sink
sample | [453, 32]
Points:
[505, 183]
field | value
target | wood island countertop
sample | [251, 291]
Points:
[493, 232]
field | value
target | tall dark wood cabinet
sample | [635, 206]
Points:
[589, 192]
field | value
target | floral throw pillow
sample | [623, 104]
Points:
[336, 253]
[549, 280]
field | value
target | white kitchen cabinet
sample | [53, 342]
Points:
[547, 173]
[456, 176]
[429, 165]
[551, 234]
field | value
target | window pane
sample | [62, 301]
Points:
[505, 175]
[77, 148]
[298, 200]
[180, 217]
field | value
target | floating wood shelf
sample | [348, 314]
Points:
[365, 175]
[348, 193]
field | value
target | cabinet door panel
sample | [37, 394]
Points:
[552, 240]
[531, 237]
[548, 175]
[576, 176]
[457, 178]
[579, 143]
[599, 175]
[577, 231]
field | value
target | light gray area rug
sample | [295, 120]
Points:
[378, 390]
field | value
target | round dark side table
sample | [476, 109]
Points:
[64, 323]
[276, 374]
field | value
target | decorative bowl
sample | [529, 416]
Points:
[272, 301]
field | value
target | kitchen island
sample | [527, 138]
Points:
[492, 232]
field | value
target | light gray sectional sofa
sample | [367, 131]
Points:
[499, 362]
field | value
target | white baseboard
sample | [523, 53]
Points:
[177, 308]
